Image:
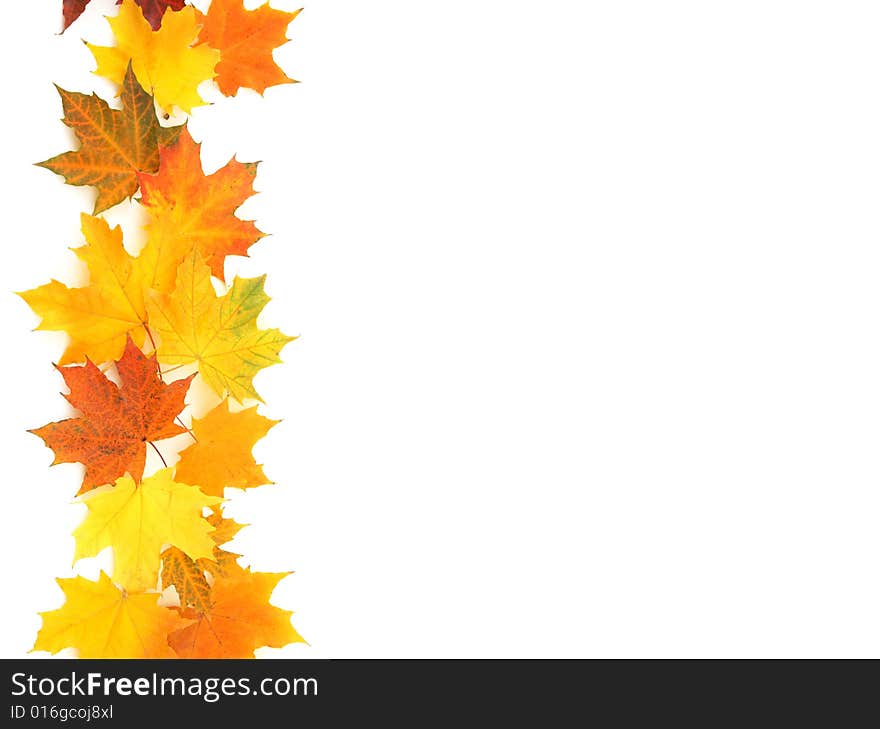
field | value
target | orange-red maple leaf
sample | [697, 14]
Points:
[110, 437]
[245, 39]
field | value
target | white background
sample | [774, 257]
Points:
[589, 303]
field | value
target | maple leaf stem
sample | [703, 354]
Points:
[153, 342]
[159, 372]
[158, 453]
[183, 425]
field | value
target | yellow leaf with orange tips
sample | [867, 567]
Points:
[165, 61]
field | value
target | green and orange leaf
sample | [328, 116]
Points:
[115, 144]
[246, 39]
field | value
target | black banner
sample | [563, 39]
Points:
[129, 692]
[413, 692]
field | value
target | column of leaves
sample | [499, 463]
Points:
[157, 320]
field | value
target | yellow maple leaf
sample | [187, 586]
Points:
[137, 520]
[221, 455]
[97, 317]
[165, 61]
[219, 334]
[101, 621]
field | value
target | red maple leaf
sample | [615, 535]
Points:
[153, 10]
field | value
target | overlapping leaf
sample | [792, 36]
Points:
[191, 210]
[101, 621]
[163, 298]
[165, 61]
[72, 9]
[219, 334]
[116, 422]
[221, 455]
[239, 621]
[187, 577]
[152, 10]
[115, 144]
[96, 317]
[137, 520]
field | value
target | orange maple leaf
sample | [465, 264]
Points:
[221, 455]
[239, 621]
[110, 437]
[189, 209]
[245, 39]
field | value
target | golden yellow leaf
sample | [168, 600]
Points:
[97, 316]
[101, 621]
[165, 61]
[137, 520]
[219, 334]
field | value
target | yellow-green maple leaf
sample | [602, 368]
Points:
[137, 520]
[165, 61]
[97, 317]
[219, 334]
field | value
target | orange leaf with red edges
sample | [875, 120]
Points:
[116, 422]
